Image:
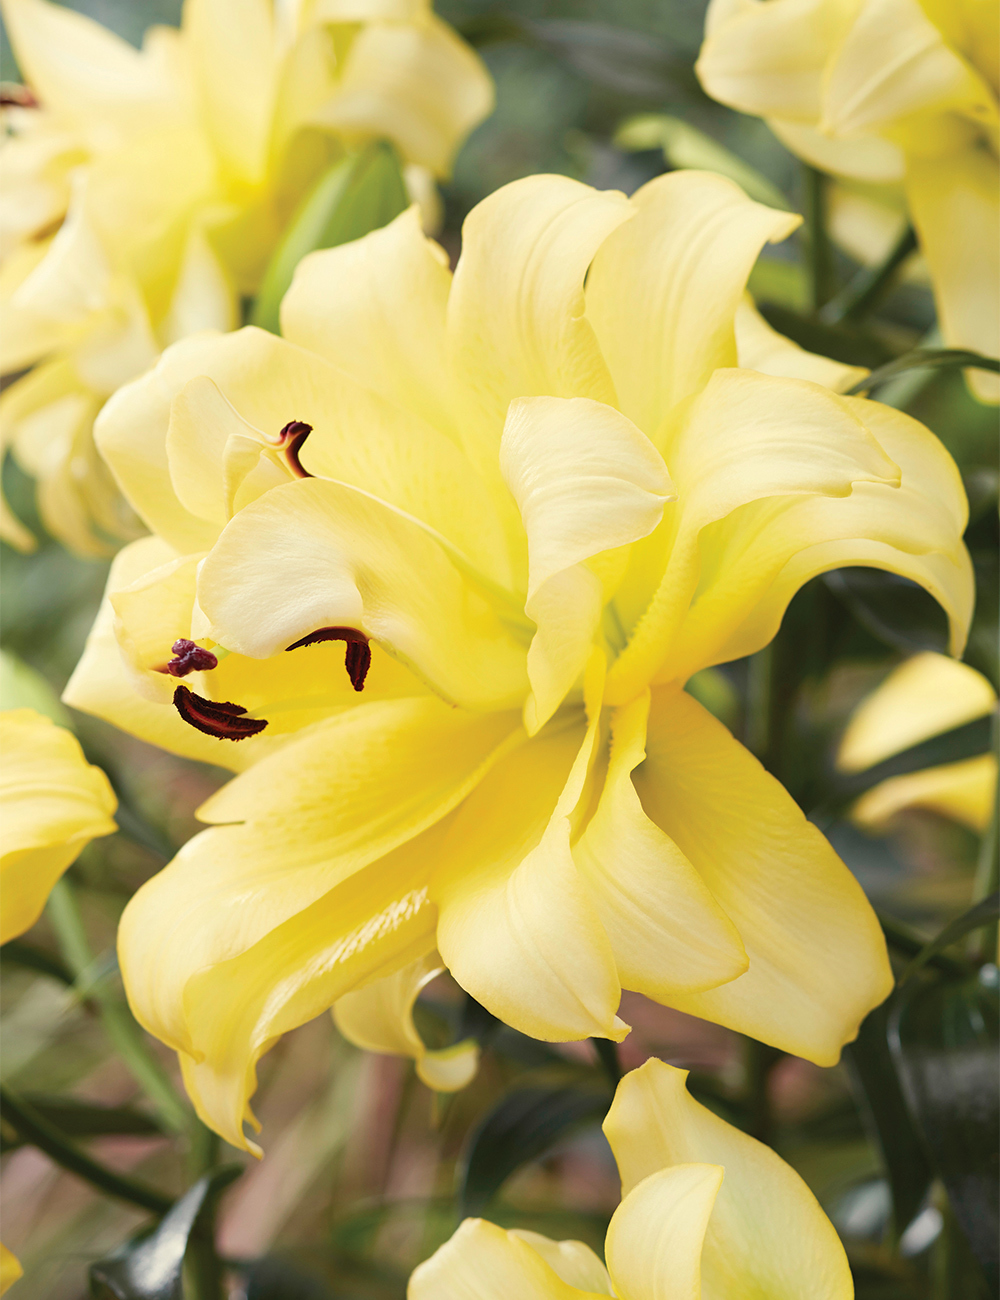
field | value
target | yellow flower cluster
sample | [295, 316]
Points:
[145, 191]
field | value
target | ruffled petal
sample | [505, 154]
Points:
[664, 289]
[668, 933]
[52, 804]
[767, 1235]
[655, 1237]
[585, 481]
[516, 324]
[818, 962]
[379, 1018]
[417, 84]
[482, 1262]
[317, 554]
[955, 202]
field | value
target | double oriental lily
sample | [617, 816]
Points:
[540, 494]
[147, 190]
[886, 91]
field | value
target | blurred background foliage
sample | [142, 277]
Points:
[366, 1170]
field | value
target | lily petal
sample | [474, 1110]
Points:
[585, 481]
[664, 288]
[316, 554]
[53, 803]
[759, 347]
[961, 193]
[379, 1018]
[818, 962]
[482, 1262]
[963, 791]
[667, 931]
[767, 1235]
[655, 1237]
[516, 324]
[574, 1262]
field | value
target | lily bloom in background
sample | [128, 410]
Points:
[886, 91]
[439, 562]
[923, 697]
[52, 804]
[146, 190]
[706, 1211]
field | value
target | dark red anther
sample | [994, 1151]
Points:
[190, 658]
[292, 436]
[358, 659]
[223, 721]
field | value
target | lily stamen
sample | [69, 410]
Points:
[358, 658]
[290, 440]
[215, 718]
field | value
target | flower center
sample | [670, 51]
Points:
[189, 658]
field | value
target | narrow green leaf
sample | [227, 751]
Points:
[984, 912]
[684, 146]
[357, 194]
[944, 1038]
[854, 345]
[152, 1268]
[82, 1119]
[16, 952]
[887, 1119]
[522, 1127]
[935, 358]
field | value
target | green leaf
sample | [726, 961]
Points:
[23, 687]
[18, 953]
[921, 358]
[887, 1118]
[893, 609]
[985, 911]
[853, 345]
[357, 194]
[944, 1040]
[684, 146]
[522, 1127]
[152, 1268]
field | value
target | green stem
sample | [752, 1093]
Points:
[870, 285]
[607, 1054]
[758, 1062]
[819, 250]
[122, 1028]
[203, 1270]
[33, 1128]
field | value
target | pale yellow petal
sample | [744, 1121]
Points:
[667, 931]
[516, 322]
[345, 304]
[818, 962]
[655, 1237]
[482, 1262]
[664, 289]
[338, 797]
[573, 1261]
[417, 84]
[754, 562]
[517, 929]
[747, 438]
[759, 347]
[962, 791]
[955, 203]
[924, 696]
[767, 1236]
[379, 1018]
[317, 554]
[867, 158]
[52, 804]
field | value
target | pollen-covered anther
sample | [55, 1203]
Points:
[358, 659]
[14, 95]
[214, 718]
[290, 440]
[189, 658]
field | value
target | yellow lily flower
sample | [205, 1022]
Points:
[10, 1268]
[464, 479]
[379, 1018]
[886, 91]
[923, 697]
[147, 189]
[706, 1211]
[52, 804]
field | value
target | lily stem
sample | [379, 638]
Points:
[203, 1270]
[34, 1128]
[122, 1028]
[867, 289]
[819, 250]
[607, 1054]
